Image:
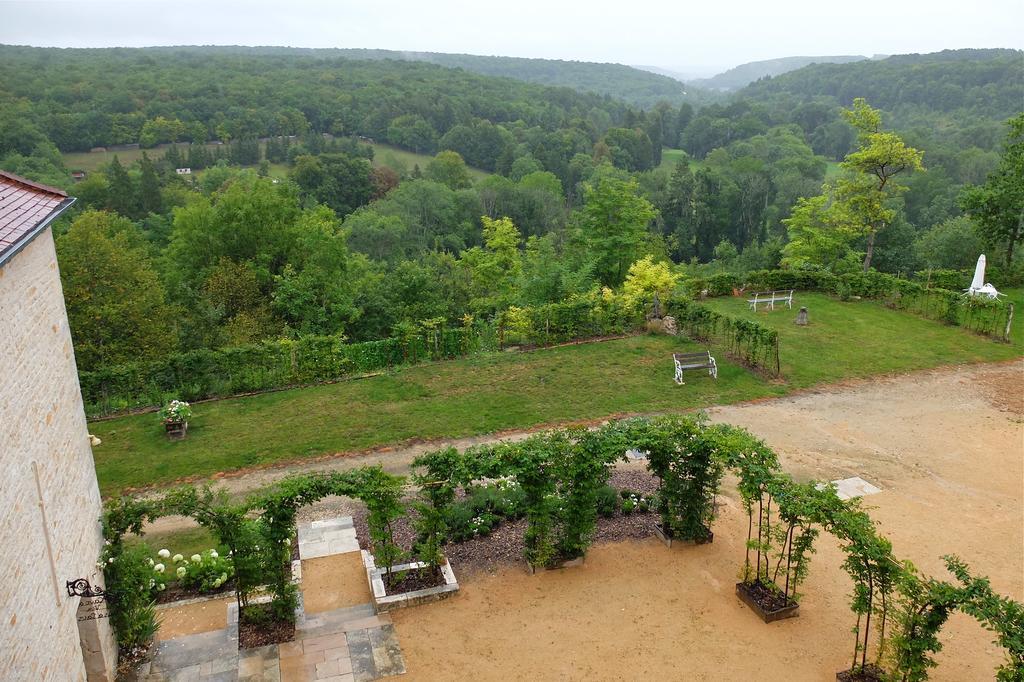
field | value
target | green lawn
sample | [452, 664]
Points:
[510, 390]
[401, 159]
[859, 338]
[383, 155]
[670, 157]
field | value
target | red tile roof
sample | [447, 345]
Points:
[24, 205]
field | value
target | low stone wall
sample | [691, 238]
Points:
[383, 602]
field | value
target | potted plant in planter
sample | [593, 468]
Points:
[175, 415]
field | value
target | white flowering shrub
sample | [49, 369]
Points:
[176, 411]
[205, 572]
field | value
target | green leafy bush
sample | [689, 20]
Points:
[130, 582]
[722, 284]
[607, 501]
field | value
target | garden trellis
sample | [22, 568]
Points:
[562, 474]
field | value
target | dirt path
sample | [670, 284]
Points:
[830, 432]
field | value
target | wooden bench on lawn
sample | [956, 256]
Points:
[702, 360]
[770, 298]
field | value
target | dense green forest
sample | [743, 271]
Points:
[579, 205]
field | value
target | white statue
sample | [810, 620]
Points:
[978, 285]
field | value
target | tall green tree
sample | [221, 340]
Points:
[496, 267]
[116, 304]
[449, 169]
[869, 184]
[149, 187]
[613, 223]
[822, 232]
[120, 189]
[338, 180]
[998, 205]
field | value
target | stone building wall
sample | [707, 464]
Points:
[44, 447]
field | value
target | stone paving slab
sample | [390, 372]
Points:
[327, 537]
[205, 657]
[849, 488]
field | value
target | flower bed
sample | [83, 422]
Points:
[388, 598]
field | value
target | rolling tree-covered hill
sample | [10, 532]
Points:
[945, 102]
[82, 98]
[987, 83]
[635, 86]
[745, 74]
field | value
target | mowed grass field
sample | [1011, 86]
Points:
[383, 155]
[670, 157]
[513, 390]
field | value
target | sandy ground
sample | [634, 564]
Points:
[191, 619]
[946, 447]
[333, 582]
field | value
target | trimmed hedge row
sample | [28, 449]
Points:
[200, 374]
[576, 318]
[746, 340]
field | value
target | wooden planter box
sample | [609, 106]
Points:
[566, 563]
[667, 539]
[383, 602]
[176, 430]
[790, 611]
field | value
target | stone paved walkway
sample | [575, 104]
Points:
[327, 537]
[350, 644]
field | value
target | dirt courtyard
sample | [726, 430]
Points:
[947, 449]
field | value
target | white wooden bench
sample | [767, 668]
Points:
[770, 298]
[702, 360]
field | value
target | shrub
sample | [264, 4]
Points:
[484, 508]
[204, 572]
[722, 284]
[607, 501]
[176, 411]
[130, 583]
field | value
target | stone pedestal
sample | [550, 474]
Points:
[802, 318]
[99, 649]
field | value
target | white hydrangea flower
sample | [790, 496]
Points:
[164, 553]
[177, 558]
[159, 568]
[181, 571]
[213, 553]
[161, 587]
[110, 560]
[196, 558]
[150, 562]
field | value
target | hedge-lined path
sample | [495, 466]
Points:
[806, 428]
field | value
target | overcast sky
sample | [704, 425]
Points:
[688, 35]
